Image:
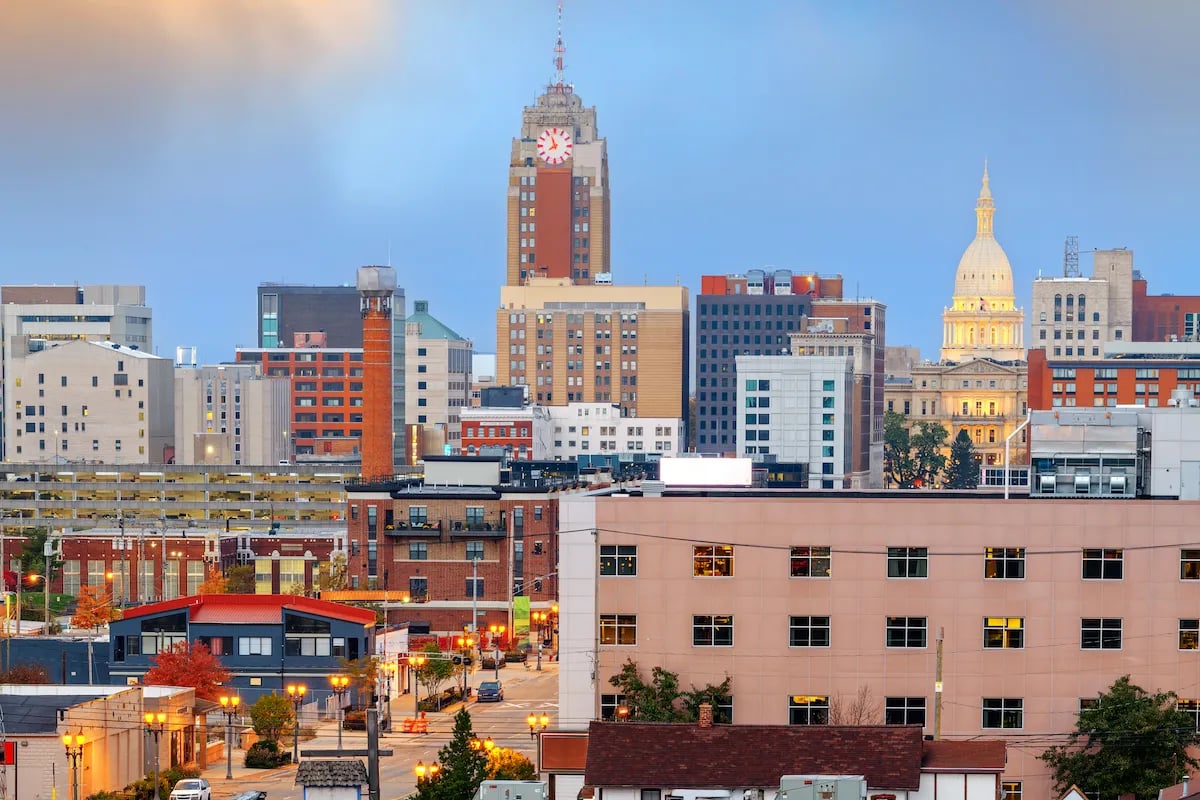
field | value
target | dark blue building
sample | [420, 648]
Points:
[265, 641]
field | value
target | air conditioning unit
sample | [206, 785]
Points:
[1083, 484]
[1117, 484]
[1046, 483]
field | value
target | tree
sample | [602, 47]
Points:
[662, 699]
[928, 442]
[912, 456]
[435, 671]
[240, 579]
[271, 715]
[862, 709]
[1131, 742]
[963, 471]
[214, 582]
[505, 764]
[464, 765]
[332, 576]
[93, 608]
[25, 673]
[363, 674]
[188, 664]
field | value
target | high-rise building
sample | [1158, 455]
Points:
[1073, 316]
[438, 361]
[558, 199]
[231, 414]
[596, 344]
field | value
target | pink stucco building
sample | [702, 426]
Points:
[805, 599]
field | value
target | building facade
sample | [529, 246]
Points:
[1074, 316]
[438, 361]
[1129, 374]
[1164, 317]
[231, 414]
[589, 429]
[1039, 606]
[523, 434]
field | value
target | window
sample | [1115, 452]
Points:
[908, 562]
[1192, 708]
[906, 631]
[1100, 633]
[1004, 633]
[1103, 564]
[418, 551]
[618, 559]
[618, 629]
[609, 703]
[1004, 563]
[474, 551]
[418, 516]
[1189, 634]
[712, 561]
[712, 631]
[254, 646]
[807, 709]
[1189, 565]
[1003, 712]
[810, 562]
[808, 632]
[418, 588]
[904, 711]
[475, 587]
[1010, 790]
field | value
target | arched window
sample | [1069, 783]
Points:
[1082, 306]
[1058, 308]
[979, 436]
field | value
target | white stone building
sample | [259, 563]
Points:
[438, 365]
[1074, 316]
[588, 429]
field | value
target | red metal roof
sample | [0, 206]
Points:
[636, 754]
[252, 608]
[977, 755]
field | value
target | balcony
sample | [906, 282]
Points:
[492, 526]
[409, 528]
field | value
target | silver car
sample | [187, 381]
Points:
[192, 789]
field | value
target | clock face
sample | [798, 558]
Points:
[554, 145]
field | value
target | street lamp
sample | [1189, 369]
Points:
[540, 618]
[488, 744]
[426, 773]
[416, 663]
[534, 721]
[296, 691]
[340, 684]
[33, 579]
[465, 643]
[229, 707]
[155, 724]
[496, 631]
[388, 671]
[74, 745]
[622, 713]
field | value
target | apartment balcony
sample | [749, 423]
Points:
[410, 528]
[489, 526]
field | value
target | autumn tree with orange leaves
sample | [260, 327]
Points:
[188, 664]
[214, 582]
[93, 608]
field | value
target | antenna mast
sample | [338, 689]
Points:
[559, 49]
[1071, 257]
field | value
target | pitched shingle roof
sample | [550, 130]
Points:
[331, 773]
[978, 755]
[636, 754]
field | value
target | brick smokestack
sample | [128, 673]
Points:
[376, 286]
[706, 718]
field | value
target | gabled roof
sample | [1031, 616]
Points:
[976, 755]
[643, 754]
[251, 608]
[331, 773]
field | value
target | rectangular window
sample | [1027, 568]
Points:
[475, 587]
[474, 551]
[906, 631]
[609, 703]
[712, 561]
[418, 589]
[1100, 633]
[712, 631]
[618, 629]
[807, 709]
[1189, 634]
[1189, 565]
[418, 551]
[810, 562]
[1004, 633]
[808, 632]
[908, 562]
[1010, 790]
[1004, 563]
[254, 646]
[1106, 564]
[1191, 708]
[1003, 712]
[618, 559]
[904, 711]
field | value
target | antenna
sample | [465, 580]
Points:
[559, 49]
[1071, 257]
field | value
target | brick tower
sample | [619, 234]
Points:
[376, 286]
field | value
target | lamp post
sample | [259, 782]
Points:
[540, 618]
[340, 684]
[416, 663]
[155, 724]
[465, 643]
[229, 707]
[296, 691]
[496, 631]
[33, 580]
[387, 670]
[425, 773]
[534, 721]
[177, 557]
[74, 745]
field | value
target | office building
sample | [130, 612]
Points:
[1164, 317]
[522, 432]
[1074, 315]
[438, 361]
[584, 430]
[1127, 374]
[231, 414]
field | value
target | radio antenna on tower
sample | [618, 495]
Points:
[1071, 257]
[559, 49]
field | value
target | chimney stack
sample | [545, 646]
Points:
[706, 715]
[376, 286]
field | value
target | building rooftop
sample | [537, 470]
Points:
[251, 609]
[431, 327]
[37, 713]
[332, 773]
[975, 755]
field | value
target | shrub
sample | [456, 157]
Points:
[490, 663]
[516, 655]
[265, 754]
[355, 721]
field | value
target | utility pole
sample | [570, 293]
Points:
[937, 688]
[373, 753]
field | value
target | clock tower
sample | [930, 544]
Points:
[558, 209]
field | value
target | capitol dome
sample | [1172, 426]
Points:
[983, 271]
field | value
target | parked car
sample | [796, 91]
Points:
[192, 789]
[490, 692]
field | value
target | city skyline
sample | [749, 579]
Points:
[203, 149]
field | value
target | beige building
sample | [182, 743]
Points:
[438, 381]
[1073, 316]
[90, 401]
[596, 343]
[1040, 606]
[231, 414]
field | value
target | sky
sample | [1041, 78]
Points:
[200, 147]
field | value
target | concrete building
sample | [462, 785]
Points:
[588, 429]
[1074, 316]
[438, 361]
[31, 317]
[596, 344]
[1039, 604]
[231, 414]
[97, 402]
[558, 195]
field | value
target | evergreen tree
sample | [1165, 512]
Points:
[463, 765]
[963, 472]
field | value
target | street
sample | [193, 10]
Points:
[526, 692]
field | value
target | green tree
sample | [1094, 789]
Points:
[928, 441]
[240, 579]
[464, 765]
[963, 470]
[505, 764]
[663, 700]
[436, 670]
[271, 715]
[1132, 742]
[363, 674]
[912, 456]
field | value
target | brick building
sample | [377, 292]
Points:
[1164, 317]
[1129, 373]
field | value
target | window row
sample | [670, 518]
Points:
[997, 712]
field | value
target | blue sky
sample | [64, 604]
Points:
[203, 146]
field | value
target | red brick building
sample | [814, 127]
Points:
[1147, 379]
[1158, 318]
